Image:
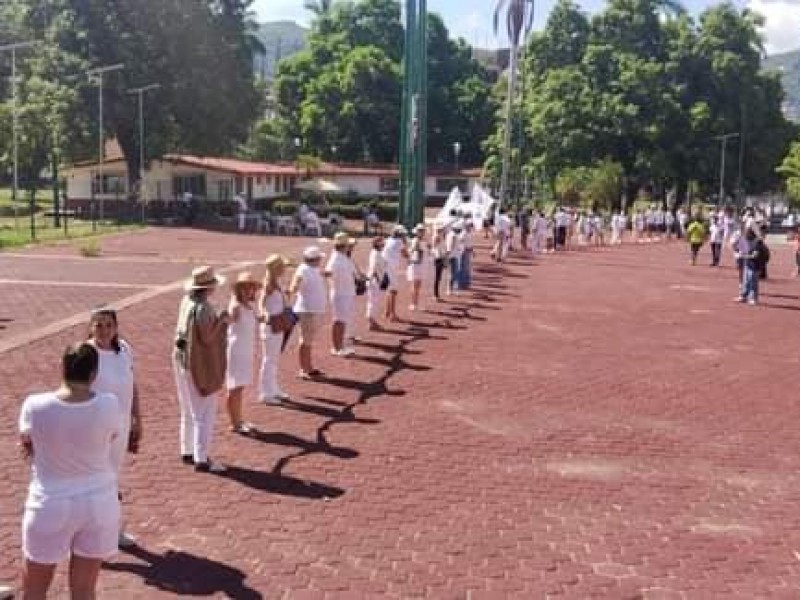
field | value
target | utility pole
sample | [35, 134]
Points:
[140, 92]
[14, 129]
[97, 74]
[413, 127]
[723, 147]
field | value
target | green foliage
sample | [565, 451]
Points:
[789, 169]
[646, 86]
[342, 94]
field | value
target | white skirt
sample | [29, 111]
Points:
[240, 365]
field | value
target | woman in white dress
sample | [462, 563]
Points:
[274, 329]
[240, 348]
[416, 265]
[377, 283]
[115, 376]
[72, 508]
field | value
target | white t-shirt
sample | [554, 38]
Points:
[115, 376]
[342, 274]
[72, 452]
[393, 253]
[376, 266]
[241, 203]
[311, 292]
[562, 219]
[503, 224]
[716, 233]
[455, 244]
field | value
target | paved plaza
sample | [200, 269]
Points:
[598, 424]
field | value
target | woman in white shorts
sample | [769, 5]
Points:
[72, 509]
[115, 376]
[308, 287]
[377, 283]
[416, 264]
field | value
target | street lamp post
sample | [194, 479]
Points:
[140, 92]
[97, 74]
[723, 146]
[13, 49]
[456, 153]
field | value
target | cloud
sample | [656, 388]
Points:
[781, 30]
[282, 10]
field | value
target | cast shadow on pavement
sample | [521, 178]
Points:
[276, 482]
[185, 574]
[287, 439]
[779, 306]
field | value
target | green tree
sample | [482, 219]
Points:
[789, 169]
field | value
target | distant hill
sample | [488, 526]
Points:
[788, 65]
[281, 39]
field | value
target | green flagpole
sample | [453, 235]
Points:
[413, 124]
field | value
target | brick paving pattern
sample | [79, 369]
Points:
[598, 425]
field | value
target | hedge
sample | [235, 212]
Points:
[387, 211]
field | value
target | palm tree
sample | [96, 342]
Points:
[318, 7]
[519, 21]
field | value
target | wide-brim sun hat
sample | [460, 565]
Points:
[203, 278]
[277, 260]
[246, 278]
[399, 230]
[341, 239]
[313, 253]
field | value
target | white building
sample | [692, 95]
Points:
[219, 179]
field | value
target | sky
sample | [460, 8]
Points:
[472, 19]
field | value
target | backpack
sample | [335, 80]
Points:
[762, 259]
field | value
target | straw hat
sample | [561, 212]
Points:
[277, 260]
[203, 278]
[399, 230]
[312, 253]
[246, 278]
[341, 239]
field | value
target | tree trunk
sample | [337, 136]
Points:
[512, 86]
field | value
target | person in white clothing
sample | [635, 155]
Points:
[597, 226]
[502, 228]
[616, 229]
[310, 305]
[72, 508]
[115, 376]
[716, 238]
[454, 245]
[377, 282]
[341, 274]
[669, 224]
[276, 324]
[241, 210]
[639, 225]
[416, 264]
[199, 365]
[240, 347]
[394, 251]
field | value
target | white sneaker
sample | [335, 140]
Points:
[752, 302]
[6, 592]
[335, 352]
[125, 540]
[282, 397]
[272, 400]
[344, 352]
[412, 308]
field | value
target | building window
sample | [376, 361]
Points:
[445, 185]
[239, 185]
[112, 184]
[268, 180]
[194, 184]
[389, 185]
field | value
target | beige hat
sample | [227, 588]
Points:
[399, 230]
[341, 239]
[419, 228]
[312, 253]
[246, 278]
[274, 260]
[203, 278]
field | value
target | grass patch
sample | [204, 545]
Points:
[15, 237]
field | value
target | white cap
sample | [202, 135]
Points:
[312, 253]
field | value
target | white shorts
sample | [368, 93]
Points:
[343, 308]
[414, 272]
[86, 525]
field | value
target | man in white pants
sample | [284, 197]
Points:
[341, 272]
[241, 210]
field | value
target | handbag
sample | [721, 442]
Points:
[384, 283]
[361, 286]
[283, 322]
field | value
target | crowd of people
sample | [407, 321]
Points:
[76, 437]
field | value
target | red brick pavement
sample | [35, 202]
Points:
[600, 425]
